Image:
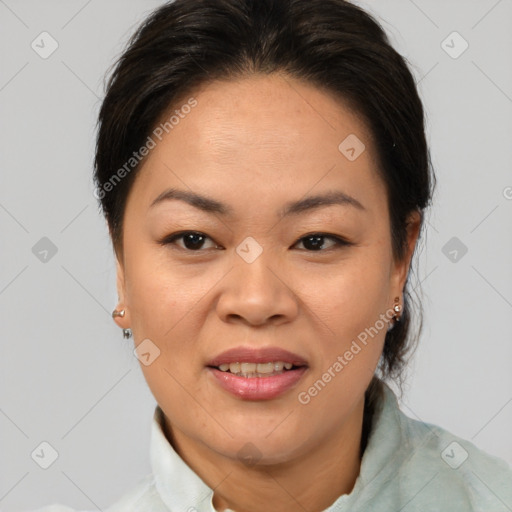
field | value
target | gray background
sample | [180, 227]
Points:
[68, 377]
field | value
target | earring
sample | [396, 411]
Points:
[397, 308]
[127, 333]
[396, 318]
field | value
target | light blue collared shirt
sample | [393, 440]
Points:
[408, 466]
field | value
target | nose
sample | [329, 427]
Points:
[256, 294]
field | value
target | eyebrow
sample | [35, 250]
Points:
[210, 205]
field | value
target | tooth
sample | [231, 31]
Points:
[234, 367]
[278, 366]
[256, 374]
[255, 369]
[247, 367]
[265, 367]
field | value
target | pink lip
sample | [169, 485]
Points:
[258, 388]
[256, 355]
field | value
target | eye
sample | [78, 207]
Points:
[192, 240]
[315, 241]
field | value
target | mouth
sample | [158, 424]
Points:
[260, 356]
[257, 374]
[250, 370]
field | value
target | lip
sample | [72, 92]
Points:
[256, 355]
[258, 388]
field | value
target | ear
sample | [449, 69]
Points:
[401, 269]
[123, 322]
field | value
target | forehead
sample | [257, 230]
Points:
[275, 113]
[267, 135]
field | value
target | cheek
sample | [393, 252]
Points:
[164, 303]
[351, 304]
[351, 296]
[159, 293]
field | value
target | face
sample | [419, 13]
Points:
[257, 266]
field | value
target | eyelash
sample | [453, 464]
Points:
[339, 242]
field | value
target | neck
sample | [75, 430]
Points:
[311, 482]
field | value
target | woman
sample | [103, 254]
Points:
[263, 169]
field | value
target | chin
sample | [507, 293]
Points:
[259, 450]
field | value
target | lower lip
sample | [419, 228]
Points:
[258, 388]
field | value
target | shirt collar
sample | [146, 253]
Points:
[178, 485]
[180, 488]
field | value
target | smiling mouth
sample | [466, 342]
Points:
[257, 370]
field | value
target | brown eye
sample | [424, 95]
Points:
[316, 242]
[192, 240]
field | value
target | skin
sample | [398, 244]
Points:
[256, 144]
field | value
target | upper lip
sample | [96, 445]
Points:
[256, 355]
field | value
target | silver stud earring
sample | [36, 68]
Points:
[127, 333]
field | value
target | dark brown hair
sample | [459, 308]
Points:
[331, 44]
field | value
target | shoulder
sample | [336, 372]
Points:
[432, 441]
[455, 469]
[141, 498]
